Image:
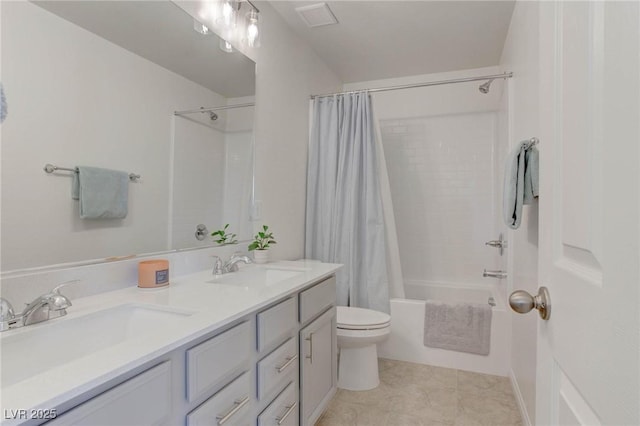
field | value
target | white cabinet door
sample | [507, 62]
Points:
[142, 400]
[588, 354]
[317, 366]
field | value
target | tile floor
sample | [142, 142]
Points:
[414, 394]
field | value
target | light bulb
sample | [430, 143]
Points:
[228, 14]
[253, 32]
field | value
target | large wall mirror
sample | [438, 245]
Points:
[98, 83]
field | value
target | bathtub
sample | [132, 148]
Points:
[407, 328]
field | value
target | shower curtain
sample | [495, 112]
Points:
[345, 220]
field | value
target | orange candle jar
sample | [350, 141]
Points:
[153, 273]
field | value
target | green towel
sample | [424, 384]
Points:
[520, 182]
[530, 175]
[102, 193]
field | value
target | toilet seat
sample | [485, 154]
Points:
[351, 318]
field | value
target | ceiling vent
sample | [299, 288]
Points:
[317, 15]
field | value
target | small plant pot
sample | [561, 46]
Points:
[261, 256]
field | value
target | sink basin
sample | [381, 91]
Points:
[59, 341]
[256, 276]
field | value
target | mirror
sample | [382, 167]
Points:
[97, 83]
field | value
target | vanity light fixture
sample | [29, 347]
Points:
[226, 23]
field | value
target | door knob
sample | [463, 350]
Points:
[522, 302]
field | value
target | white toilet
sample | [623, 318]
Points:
[359, 331]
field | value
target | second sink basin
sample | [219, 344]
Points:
[33, 351]
[256, 276]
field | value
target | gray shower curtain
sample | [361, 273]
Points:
[344, 220]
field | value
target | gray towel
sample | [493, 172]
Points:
[102, 193]
[463, 327]
[531, 185]
[520, 182]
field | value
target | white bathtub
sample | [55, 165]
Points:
[407, 329]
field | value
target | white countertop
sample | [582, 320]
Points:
[214, 305]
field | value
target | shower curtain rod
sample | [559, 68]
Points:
[428, 83]
[193, 111]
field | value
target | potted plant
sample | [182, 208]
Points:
[260, 245]
[223, 238]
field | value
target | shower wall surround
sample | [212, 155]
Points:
[212, 176]
[442, 145]
[442, 185]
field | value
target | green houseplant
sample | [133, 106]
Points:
[221, 237]
[260, 244]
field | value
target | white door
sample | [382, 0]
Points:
[589, 353]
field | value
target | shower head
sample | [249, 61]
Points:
[212, 115]
[484, 87]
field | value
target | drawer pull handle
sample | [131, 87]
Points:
[290, 409]
[310, 340]
[238, 404]
[290, 359]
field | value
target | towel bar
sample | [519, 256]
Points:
[50, 168]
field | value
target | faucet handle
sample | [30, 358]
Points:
[7, 315]
[217, 267]
[57, 288]
[6, 310]
[58, 301]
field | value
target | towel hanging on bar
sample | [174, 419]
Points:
[101, 193]
[520, 181]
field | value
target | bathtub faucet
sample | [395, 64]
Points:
[494, 274]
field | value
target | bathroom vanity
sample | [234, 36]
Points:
[252, 347]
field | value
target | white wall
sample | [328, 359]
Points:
[520, 55]
[70, 104]
[238, 184]
[288, 72]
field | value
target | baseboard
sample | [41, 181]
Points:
[526, 421]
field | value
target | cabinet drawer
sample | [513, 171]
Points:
[231, 406]
[316, 299]
[283, 410]
[278, 369]
[142, 400]
[276, 324]
[215, 362]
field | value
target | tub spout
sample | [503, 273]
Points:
[494, 274]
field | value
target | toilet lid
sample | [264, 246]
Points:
[352, 318]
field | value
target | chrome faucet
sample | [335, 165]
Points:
[43, 308]
[230, 265]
